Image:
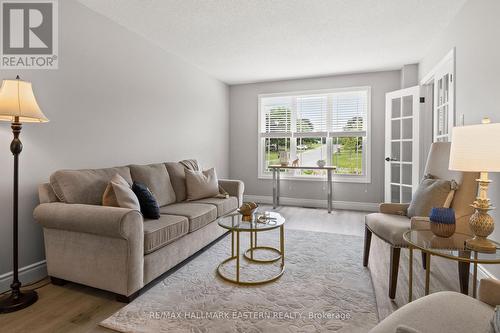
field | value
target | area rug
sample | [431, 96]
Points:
[324, 288]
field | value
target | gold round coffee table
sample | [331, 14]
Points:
[235, 224]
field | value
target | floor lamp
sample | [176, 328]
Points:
[18, 105]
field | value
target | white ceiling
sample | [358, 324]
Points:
[240, 41]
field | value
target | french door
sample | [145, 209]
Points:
[444, 111]
[401, 144]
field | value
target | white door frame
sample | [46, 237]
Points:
[415, 92]
[445, 66]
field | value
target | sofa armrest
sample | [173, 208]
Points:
[99, 220]
[420, 223]
[489, 291]
[235, 188]
[393, 208]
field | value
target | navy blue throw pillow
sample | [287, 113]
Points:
[147, 201]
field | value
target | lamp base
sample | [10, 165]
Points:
[11, 303]
[481, 244]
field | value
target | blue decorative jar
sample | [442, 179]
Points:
[442, 222]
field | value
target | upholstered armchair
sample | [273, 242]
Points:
[391, 222]
[446, 311]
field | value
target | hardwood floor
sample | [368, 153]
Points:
[76, 308]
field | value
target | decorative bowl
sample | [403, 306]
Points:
[247, 209]
[442, 221]
[321, 163]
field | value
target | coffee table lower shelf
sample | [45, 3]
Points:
[248, 254]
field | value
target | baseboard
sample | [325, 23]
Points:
[316, 203]
[27, 274]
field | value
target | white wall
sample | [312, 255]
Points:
[115, 99]
[475, 33]
[244, 142]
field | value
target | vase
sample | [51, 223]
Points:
[284, 158]
[442, 222]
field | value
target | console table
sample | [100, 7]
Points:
[276, 181]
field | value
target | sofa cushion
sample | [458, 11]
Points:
[389, 227]
[199, 215]
[178, 179]
[158, 233]
[85, 186]
[224, 206]
[201, 184]
[156, 178]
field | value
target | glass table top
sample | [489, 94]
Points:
[452, 247]
[260, 221]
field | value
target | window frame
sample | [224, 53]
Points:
[366, 158]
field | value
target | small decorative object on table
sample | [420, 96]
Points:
[321, 163]
[442, 222]
[247, 210]
[265, 218]
[295, 162]
[284, 158]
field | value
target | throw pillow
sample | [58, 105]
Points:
[147, 201]
[201, 184]
[431, 192]
[119, 194]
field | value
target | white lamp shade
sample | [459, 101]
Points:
[17, 100]
[476, 148]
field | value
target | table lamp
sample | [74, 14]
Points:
[476, 148]
[18, 105]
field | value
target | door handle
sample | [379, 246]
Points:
[390, 159]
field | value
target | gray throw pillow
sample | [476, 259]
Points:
[430, 193]
[201, 184]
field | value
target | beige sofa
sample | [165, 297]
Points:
[116, 249]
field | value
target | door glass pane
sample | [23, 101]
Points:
[395, 194]
[396, 108]
[407, 174]
[395, 150]
[446, 87]
[396, 129]
[407, 128]
[440, 92]
[395, 173]
[406, 194]
[407, 106]
[445, 119]
[407, 151]
[440, 121]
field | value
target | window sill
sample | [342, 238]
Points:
[336, 179]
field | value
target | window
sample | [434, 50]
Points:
[330, 125]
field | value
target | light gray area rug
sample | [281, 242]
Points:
[324, 288]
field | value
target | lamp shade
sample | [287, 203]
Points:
[17, 100]
[476, 148]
